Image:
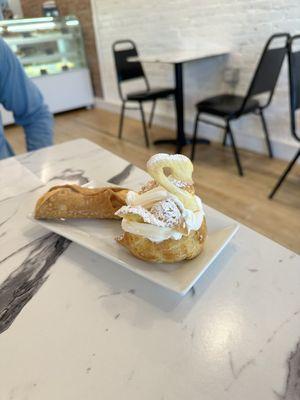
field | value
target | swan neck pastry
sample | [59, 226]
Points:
[181, 171]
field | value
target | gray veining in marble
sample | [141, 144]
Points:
[7, 218]
[19, 287]
[71, 175]
[119, 178]
[292, 387]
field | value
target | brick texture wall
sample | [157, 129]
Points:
[170, 25]
[82, 9]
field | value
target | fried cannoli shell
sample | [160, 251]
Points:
[73, 201]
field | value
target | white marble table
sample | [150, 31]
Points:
[75, 326]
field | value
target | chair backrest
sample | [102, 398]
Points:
[267, 70]
[294, 83]
[125, 69]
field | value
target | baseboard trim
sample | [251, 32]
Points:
[282, 149]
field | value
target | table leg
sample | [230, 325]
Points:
[179, 101]
[180, 140]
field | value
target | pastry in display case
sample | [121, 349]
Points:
[52, 53]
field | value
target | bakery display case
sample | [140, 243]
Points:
[52, 53]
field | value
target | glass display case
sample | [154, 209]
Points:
[52, 53]
[45, 45]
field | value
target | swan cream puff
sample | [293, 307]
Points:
[164, 222]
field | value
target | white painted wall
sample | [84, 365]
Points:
[162, 26]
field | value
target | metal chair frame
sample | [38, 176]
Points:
[253, 90]
[138, 73]
[294, 100]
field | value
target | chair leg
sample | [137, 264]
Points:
[121, 120]
[144, 124]
[152, 114]
[265, 128]
[225, 137]
[194, 136]
[284, 175]
[235, 152]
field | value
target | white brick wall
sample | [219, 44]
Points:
[161, 26]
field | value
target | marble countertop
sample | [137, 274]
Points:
[76, 326]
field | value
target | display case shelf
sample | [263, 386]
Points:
[46, 58]
[35, 41]
[52, 53]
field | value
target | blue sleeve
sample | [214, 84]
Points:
[21, 96]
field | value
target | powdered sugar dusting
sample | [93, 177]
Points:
[179, 184]
[167, 212]
[152, 184]
[146, 215]
[148, 186]
[164, 156]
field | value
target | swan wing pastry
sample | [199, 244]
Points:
[73, 201]
[164, 222]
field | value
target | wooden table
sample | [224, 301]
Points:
[75, 326]
[178, 59]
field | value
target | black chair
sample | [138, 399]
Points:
[294, 86]
[129, 70]
[230, 107]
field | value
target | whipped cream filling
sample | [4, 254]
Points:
[152, 232]
[192, 221]
[146, 199]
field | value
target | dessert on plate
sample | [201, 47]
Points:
[73, 201]
[164, 222]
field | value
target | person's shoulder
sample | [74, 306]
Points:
[3, 46]
[6, 55]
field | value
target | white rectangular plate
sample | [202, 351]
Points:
[99, 236]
